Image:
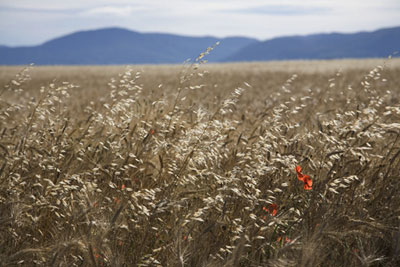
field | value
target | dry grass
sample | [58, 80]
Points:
[179, 166]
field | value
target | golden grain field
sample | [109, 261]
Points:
[251, 164]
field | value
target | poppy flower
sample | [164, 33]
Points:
[286, 240]
[300, 176]
[304, 178]
[307, 183]
[272, 209]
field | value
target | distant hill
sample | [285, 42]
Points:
[120, 46]
[380, 43]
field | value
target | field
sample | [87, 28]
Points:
[251, 164]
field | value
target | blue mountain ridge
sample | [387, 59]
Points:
[380, 43]
[120, 46]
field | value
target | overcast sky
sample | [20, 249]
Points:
[28, 22]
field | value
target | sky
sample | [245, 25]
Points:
[32, 22]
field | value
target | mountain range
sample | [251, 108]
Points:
[380, 43]
[121, 46]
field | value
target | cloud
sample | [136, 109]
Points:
[26, 22]
[282, 10]
[9, 9]
[119, 11]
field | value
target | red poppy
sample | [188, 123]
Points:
[272, 209]
[286, 240]
[300, 176]
[304, 177]
[307, 183]
[298, 169]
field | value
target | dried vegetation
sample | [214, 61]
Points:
[196, 166]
